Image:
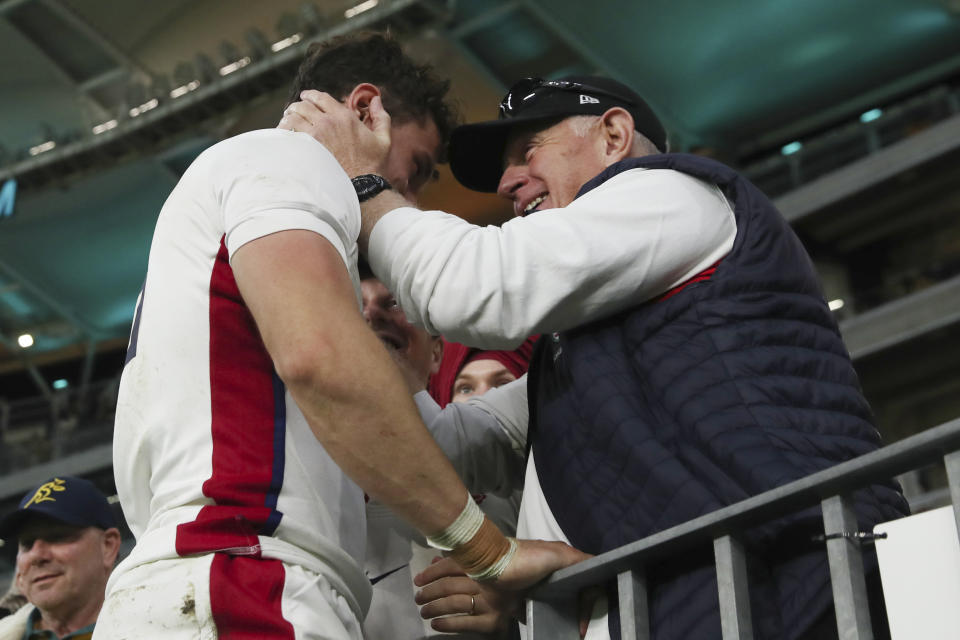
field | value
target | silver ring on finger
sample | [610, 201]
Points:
[473, 605]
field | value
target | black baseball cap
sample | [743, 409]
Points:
[65, 498]
[476, 150]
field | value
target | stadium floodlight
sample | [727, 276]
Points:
[280, 45]
[227, 69]
[790, 149]
[43, 147]
[25, 340]
[143, 108]
[360, 8]
[232, 58]
[104, 127]
[184, 89]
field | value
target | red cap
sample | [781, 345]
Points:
[456, 356]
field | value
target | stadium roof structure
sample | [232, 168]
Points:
[105, 103]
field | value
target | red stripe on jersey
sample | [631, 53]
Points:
[245, 598]
[243, 409]
[706, 274]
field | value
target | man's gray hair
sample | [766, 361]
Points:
[642, 146]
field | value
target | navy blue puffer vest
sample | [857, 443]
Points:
[736, 384]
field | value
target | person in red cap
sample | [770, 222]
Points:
[466, 372]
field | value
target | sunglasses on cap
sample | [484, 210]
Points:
[524, 93]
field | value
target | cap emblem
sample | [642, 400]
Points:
[585, 99]
[43, 493]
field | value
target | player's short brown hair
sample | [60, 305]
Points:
[410, 91]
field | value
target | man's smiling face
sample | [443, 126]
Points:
[386, 318]
[60, 565]
[545, 167]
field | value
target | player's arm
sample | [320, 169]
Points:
[295, 285]
[298, 291]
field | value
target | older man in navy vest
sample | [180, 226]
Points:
[689, 359]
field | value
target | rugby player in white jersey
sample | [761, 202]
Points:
[256, 407]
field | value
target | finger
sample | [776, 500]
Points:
[295, 122]
[460, 603]
[440, 569]
[446, 587]
[320, 99]
[303, 110]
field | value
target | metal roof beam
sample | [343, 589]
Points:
[903, 319]
[101, 109]
[85, 375]
[77, 464]
[113, 75]
[67, 314]
[899, 157]
[91, 34]
[175, 116]
[862, 102]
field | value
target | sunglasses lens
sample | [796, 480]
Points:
[514, 99]
[524, 93]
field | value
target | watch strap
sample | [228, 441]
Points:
[368, 185]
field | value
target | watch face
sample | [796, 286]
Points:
[369, 185]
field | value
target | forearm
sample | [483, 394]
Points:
[369, 426]
[375, 208]
[481, 451]
[341, 377]
[614, 248]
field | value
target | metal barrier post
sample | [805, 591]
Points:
[846, 571]
[552, 619]
[735, 618]
[551, 609]
[952, 462]
[634, 615]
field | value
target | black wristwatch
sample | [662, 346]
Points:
[369, 185]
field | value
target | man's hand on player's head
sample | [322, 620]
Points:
[360, 144]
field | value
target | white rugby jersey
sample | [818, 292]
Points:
[210, 451]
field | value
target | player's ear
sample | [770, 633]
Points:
[359, 99]
[436, 355]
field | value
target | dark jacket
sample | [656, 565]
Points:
[726, 387]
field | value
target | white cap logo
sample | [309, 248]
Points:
[588, 99]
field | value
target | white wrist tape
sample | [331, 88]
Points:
[495, 570]
[460, 530]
